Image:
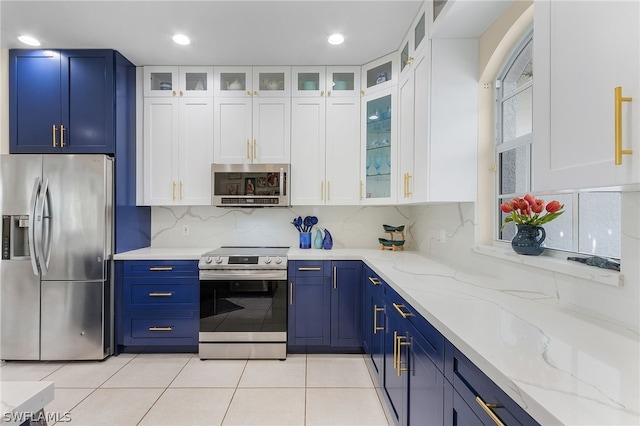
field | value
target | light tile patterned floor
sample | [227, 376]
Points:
[180, 389]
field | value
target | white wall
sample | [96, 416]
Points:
[4, 101]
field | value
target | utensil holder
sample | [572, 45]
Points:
[305, 240]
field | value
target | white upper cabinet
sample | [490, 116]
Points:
[579, 126]
[381, 74]
[169, 81]
[319, 81]
[252, 115]
[379, 147]
[178, 151]
[326, 150]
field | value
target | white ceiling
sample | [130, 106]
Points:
[238, 32]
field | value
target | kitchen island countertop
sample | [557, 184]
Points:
[560, 363]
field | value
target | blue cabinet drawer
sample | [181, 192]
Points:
[161, 293]
[475, 388]
[309, 268]
[157, 328]
[161, 268]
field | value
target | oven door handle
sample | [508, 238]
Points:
[253, 274]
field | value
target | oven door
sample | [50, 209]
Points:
[243, 315]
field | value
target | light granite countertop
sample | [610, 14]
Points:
[21, 401]
[561, 365]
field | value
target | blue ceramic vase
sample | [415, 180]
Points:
[317, 242]
[529, 240]
[327, 243]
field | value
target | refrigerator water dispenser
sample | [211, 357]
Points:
[15, 237]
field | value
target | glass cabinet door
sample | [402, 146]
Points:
[160, 81]
[233, 81]
[196, 81]
[308, 81]
[343, 81]
[271, 81]
[378, 148]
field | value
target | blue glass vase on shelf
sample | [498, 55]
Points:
[317, 242]
[327, 243]
[305, 240]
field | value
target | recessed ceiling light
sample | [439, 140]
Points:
[29, 40]
[335, 38]
[181, 39]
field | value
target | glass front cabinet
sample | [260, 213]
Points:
[170, 81]
[379, 151]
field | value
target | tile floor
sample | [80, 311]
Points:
[180, 389]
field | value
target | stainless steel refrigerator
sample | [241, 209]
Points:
[55, 281]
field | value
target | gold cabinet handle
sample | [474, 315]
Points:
[160, 328]
[409, 61]
[399, 344]
[180, 190]
[619, 99]
[362, 92]
[329, 93]
[160, 294]
[374, 280]
[321, 190]
[328, 190]
[174, 93]
[309, 268]
[248, 147]
[408, 185]
[248, 92]
[361, 185]
[375, 319]
[335, 277]
[291, 293]
[181, 93]
[62, 136]
[402, 313]
[488, 409]
[161, 268]
[173, 191]
[395, 350]
[255, 93]
[255, 149]
[54, 130]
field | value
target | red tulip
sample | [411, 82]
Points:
[537, 206]
[530, 199]
[523, 205]
[554, 206]
[507, 207]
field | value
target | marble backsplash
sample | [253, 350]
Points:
[211, 227]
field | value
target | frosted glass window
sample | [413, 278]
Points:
[517, 115]
[514, 167]
[599, 220]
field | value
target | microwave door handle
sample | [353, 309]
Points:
[32, 229]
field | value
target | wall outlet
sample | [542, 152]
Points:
[186, 230]
[443, 236]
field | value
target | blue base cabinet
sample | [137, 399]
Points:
[419, 375]
[157, 304]
[325, 306]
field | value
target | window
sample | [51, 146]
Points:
[591, 222]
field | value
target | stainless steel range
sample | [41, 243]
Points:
[243, 303]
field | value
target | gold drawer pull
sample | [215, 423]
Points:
[161, 268]
[310, 268]
[375, 319]
[488, 409]
[160, 294]
[374, 280]
[160, 328]
[399, 309]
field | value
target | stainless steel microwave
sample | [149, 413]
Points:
[250, 185]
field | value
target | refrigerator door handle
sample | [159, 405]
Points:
[47, 224]
[41, 225]
[32, 229]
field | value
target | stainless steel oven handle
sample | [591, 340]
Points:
[219, 275]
